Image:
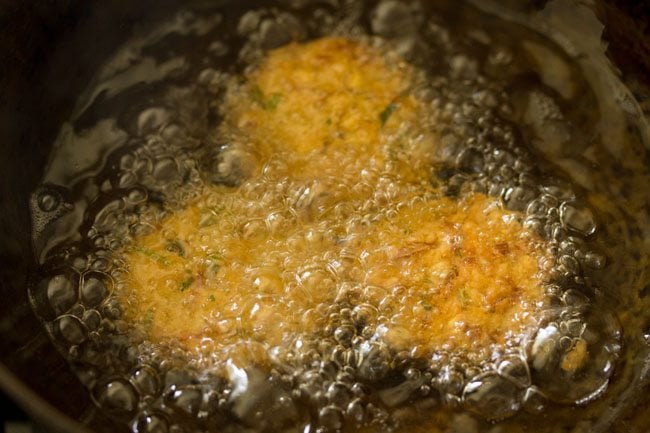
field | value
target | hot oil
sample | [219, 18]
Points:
[483, 118]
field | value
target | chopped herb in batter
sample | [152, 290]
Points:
[462, 296]
[162, 260]
[147, 321]
[187, 283]
[388, 111]
[175, 246]
[268, 104]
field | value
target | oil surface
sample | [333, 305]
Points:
[307, 218]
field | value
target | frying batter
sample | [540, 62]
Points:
[339, 193]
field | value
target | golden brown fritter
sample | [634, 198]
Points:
[344, 200]
[454, 274]
[460, 275]
[329, 104]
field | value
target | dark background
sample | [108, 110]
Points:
[10, 413]
[14, 420]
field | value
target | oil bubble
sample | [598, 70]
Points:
[150, 423]
[62, 293]
[136, 196]
[185, 400]
[374, 362]
[493, 397]
[395, 19]
[579, 219]
[576, 369]
[48, 202]
[151, 119]
[248, 23]
[70, 330]
[273, 34]
[515, 369]
[355, 411]
[94, 289]
[165, 170]
[117, 397]
[127, 180]
[470, 160]
[146, 380]
[92, 319]
[400, 394]
[518, 198]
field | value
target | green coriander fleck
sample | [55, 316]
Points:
[388, 111]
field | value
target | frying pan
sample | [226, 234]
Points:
[49, 50]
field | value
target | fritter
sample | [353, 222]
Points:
[341, 197]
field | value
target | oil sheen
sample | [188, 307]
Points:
[306, 218]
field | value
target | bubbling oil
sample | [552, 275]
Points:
[260, 261]
[218, 197]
